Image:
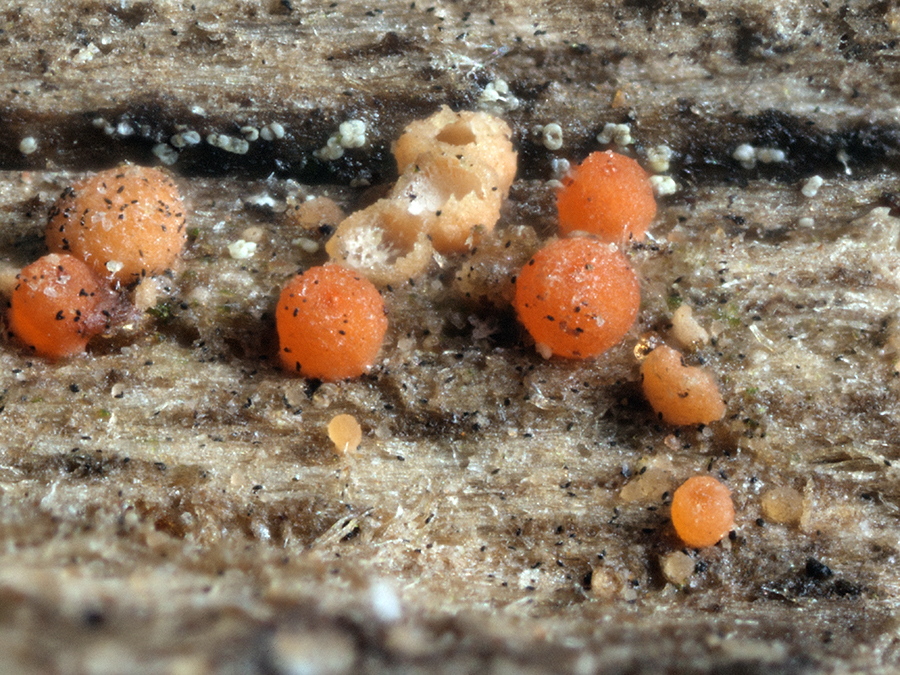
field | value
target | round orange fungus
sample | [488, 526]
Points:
[331, 323]
[58, 305]
[608, 195]
[578, 297]
[126, 222]
[702, 511]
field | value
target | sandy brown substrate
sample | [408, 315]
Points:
[171, 502]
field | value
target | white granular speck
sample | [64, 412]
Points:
[197, 110]
[806, 222]
[620, 134]
[124, 129]
[166, 153]
[663, 185]
[250, 133]
[191, 137]
[332, 150]
[263, 199]
[271, 131]
[385, 603]
[352, 134]
[241, 249]
[658, 158]
[28, 145]
[307, 245]
[771, 155]
[560, 167]
[552, 136]
[497, 98]
[114, 266]
[746, 155]
[811, 186]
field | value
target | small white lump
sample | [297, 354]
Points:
[811, 187]
[28, 145]
[242, 249]
[620, 134]
[552, 136]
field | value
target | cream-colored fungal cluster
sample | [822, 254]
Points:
[455, 171]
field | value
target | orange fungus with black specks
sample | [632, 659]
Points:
[331, 323]
[702, 511]
[577, 297]
[58, 305]
[680, 394]
[126, 223]
[608, 195]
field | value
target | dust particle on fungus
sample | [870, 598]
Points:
[331, 324]
[58, 305]
[608, 195]
[702, 511]
[577, 297]
[126, 222]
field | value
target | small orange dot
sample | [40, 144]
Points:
[578, 297]
[608, 195]
[702, 511]
[331, 323]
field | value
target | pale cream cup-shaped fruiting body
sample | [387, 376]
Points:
[456, 169]
[479, 137]
[382, 242]
[451, 197]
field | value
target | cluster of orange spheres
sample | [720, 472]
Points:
[105, 232]
[578, 297]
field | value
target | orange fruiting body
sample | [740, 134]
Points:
[126, 222]
[702, 511]
[679, 393]
[578, 297]
[331, 323]
[58, 305]
[608, 195]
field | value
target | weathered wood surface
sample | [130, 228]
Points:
[170, 503]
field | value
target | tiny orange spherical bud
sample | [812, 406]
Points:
[702, 511]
